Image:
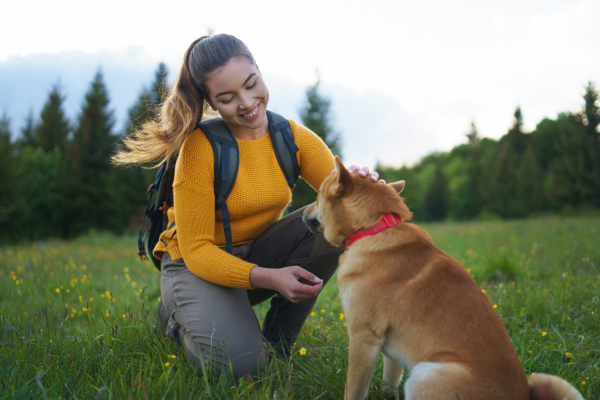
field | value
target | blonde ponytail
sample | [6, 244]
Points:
[161, 139]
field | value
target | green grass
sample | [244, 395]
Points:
[78, 316]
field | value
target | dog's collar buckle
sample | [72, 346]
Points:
[387, 221]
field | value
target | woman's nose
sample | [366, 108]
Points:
[245, 102]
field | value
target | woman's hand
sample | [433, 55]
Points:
[364, 171]
[294, 283]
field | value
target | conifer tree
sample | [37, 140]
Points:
[316, 116]
[54, 127]
[507, 193]
[7, 183]
[89, 152]
[592, 120]
[437, 199]
[28, 135]
[145, 106]
[591, 111]
[473, 135]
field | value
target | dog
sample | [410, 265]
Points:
[406, 298]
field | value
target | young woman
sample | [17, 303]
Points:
[207, 293]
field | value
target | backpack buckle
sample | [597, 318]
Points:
[164, 208]
[143, 255]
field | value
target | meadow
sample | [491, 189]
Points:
[78, 318]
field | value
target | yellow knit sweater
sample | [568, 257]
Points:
[257, 200]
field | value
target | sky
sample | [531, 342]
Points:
[405, 78]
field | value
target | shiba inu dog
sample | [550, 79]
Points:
[404, 297]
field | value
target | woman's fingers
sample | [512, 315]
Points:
[363, 171]
[299, 284]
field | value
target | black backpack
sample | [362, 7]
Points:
[227, 160]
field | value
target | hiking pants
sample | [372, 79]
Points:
[217, 324]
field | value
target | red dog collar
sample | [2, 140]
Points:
[387, 221]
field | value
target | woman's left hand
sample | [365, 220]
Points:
[364, 171]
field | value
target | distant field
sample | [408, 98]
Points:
[78, 317]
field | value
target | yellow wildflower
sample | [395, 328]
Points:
[544, 333]
[568, 354]
[530, 352]
[323, 311]
[312, 314]
[126, 270]
[167, 364]
[495, 306]
[173, 356]
[134, 284]
[57, 290]
[583, 383]
[302, 351]
[344, 324]
[483, 290]
[341, 316]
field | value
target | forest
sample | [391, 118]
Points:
[57, 180]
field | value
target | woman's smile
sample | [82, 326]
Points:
[253, 114]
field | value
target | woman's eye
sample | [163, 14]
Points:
[254, 84]
[227, 101]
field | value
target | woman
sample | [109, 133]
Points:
[208, 293]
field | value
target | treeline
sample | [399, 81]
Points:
[56, 177]
[554, 169]
[57, 181]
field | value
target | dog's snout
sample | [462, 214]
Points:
[311, 223]
[311, 219]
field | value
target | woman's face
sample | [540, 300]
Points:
[237, 91]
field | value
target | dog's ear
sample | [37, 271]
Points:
[397, 186]
[343, 179]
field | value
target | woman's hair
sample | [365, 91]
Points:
[160, 139]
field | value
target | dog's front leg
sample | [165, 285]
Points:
[363, 353]
[392, 375]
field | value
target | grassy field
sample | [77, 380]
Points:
[78, 317]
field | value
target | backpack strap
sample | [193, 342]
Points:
[285, 148]
[227, 161]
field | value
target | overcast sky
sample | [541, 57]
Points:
[405, 77]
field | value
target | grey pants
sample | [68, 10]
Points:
[217, 324]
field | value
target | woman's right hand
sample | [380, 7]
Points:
[287, 282]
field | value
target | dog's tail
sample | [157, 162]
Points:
[550, 387]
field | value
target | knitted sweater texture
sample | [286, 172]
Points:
[257, 200]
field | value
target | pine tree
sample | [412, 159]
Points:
[473, 135]
[507, 193]
[316, 116]
[591, 111]
[591, 114]
[437, 199]
[54, 127]
[146, 105]
[28, 135]
[93, 141]
[131, 183]
[7, 183]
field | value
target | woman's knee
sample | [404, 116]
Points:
[238, 362]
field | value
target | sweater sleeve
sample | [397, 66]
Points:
[195, 216]
[314, 158]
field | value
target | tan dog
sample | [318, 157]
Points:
[408, 299]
